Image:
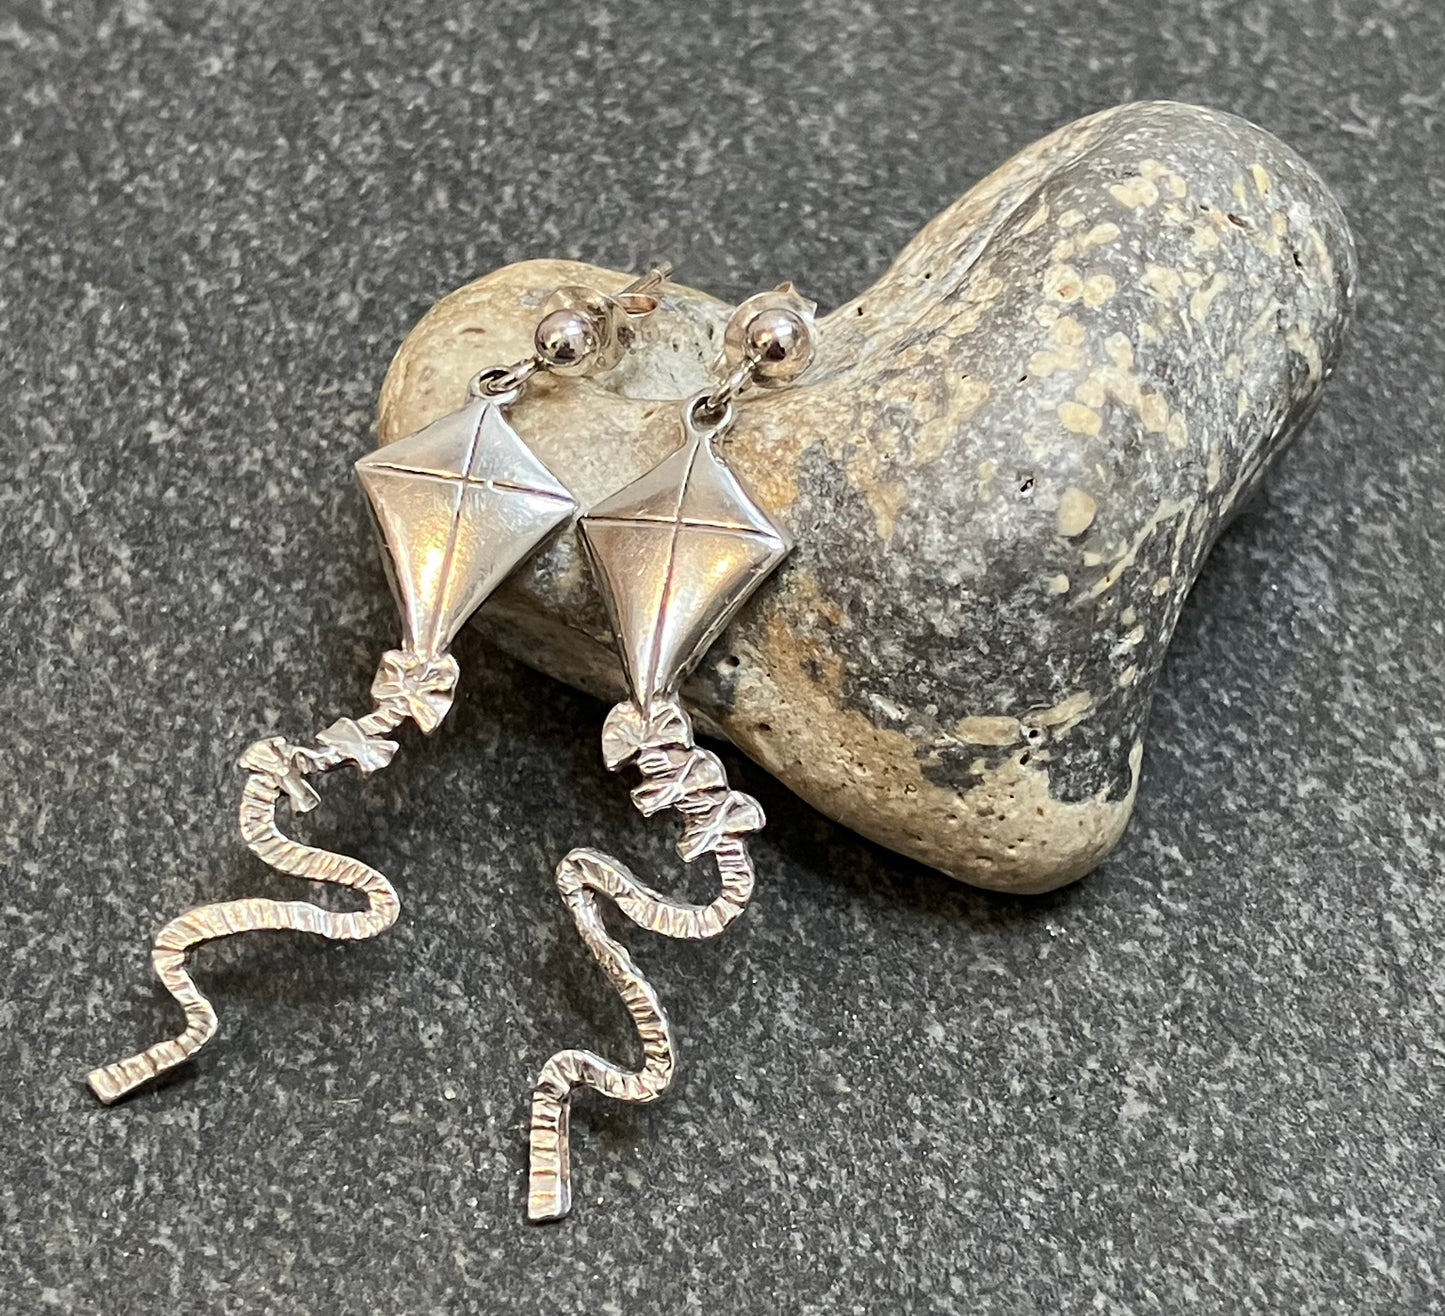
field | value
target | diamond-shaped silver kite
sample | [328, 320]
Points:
[458, 504]
[678, 552]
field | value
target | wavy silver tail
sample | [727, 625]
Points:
[406, 686]
[676, 775]
[675, 554]
[457, 506]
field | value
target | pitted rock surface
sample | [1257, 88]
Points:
[1003, 474]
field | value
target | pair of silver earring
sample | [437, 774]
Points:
[676, 554]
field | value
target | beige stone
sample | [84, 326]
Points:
[998, 503]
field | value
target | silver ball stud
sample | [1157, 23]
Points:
[779, 343]
[566, 340]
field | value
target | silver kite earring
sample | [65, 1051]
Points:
[457, 505]
[676, 553]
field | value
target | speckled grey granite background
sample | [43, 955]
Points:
[1207, 1079]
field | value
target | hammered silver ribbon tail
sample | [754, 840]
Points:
[406, 686]
[676, 775]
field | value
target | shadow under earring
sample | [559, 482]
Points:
[457, 505]
[676, 554]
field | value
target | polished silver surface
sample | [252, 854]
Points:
[677, 552]
[677, 775]
[770, 339]
[585, 331]
[458, 505]
[566, 340]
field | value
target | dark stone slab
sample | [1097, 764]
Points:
[1204, 1080]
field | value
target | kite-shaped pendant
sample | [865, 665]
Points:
[676, 553]
[458, 505]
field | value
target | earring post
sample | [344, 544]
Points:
[654, 278]
[637, 299]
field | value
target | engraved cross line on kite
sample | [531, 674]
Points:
[459, 504]
[678, 552]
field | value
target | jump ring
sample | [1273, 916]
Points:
[703, 415]
[501, 384]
